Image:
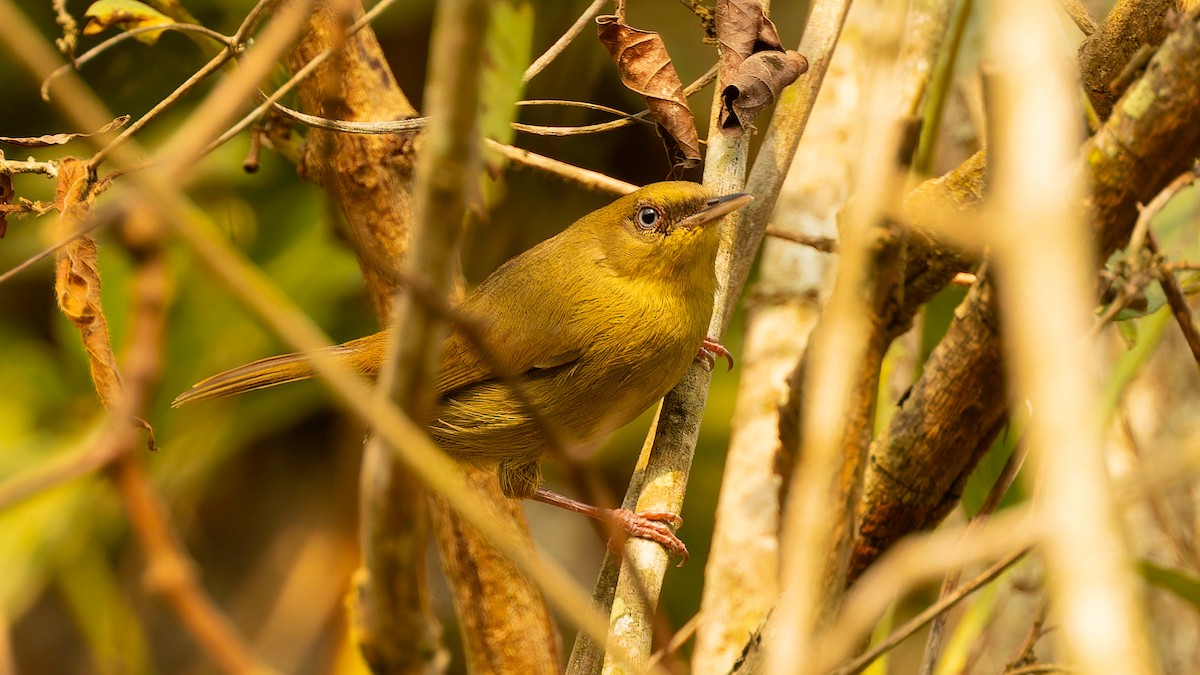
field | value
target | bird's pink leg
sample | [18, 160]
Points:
[653, 525]
[710, 349]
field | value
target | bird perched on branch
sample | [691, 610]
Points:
[580, 334]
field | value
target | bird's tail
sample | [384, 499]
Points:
[259, 374]
[363, 355]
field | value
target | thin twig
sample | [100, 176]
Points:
[822, 244]
[1180, 266]
[92, 224]
[64, 468]
[643, 116]
[233, 47]
[593, 180]
[171, 573]
[933, 645]
[299, 76]
[113, 41]
[215, 64]
[587, 105]
[1150, 211]
[561, 43]
[1023, 653]
[48, 169]
[1042, 668]
[678, 640]
[1080, 15]
[929, 614]
[1179, 304]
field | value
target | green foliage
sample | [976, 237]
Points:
[1184, 585]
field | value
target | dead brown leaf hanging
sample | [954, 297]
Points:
[755, 67]
[645, 67]
[759, 81]
[77, 281]
[6, 195]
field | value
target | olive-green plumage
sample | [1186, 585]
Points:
[597, 323]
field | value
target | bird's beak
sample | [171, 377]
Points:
[715, 209]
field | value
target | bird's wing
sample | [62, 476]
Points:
[524, 316]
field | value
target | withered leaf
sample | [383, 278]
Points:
[126, 14]
[645, 67]
[6, 195]
[77, 281]
[755, 67]
[743, 29]
[758, 84]
[59, 139]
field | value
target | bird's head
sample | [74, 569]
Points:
[665, 229]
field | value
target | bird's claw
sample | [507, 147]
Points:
[710, 349]
[653, 525]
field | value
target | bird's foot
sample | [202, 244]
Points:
[710, 349]
[653, 525]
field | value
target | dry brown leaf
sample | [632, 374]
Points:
[759, 81]
[645, 67]
[755, 67]
[77, 280]
[70, 39]
[6, 195]
[59, 139]
[743, 29]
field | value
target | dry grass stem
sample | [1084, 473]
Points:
[937, 610]
[1008, 475]
[1046, 278]
[919, 559]
[563, 42]
[818, 519]
[1080, 15]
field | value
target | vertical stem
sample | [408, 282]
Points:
[1044, 268]
[390, 606]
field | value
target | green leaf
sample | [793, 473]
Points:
[507, 54]
[127, 15]
[1182, 584]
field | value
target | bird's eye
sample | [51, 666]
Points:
[648, 217]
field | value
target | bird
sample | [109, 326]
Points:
[581, 334]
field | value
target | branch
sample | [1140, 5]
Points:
[563, 42]
[956, 408]
[1105, 53]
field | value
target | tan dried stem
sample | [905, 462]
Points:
[950, 588]
[920, 559]
[563, 42]
[741, 579]
[1045, 283]
[630, 583]
[818, 518]
[821, 34]
[370, 179]
[930, 614]
[1080, 14]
